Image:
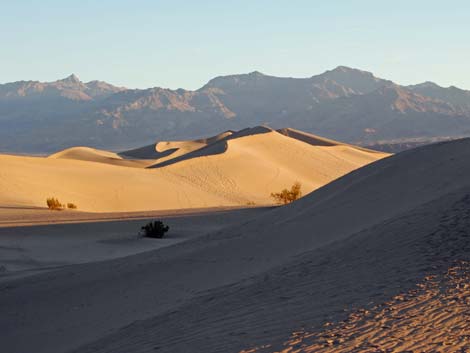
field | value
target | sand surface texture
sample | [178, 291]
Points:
[350, 246]
[434, 317]
[40, 240]
[230, 169]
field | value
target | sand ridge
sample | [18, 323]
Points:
[166, 150]
[99, 156]
[229, 169]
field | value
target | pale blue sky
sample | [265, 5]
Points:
[143, 43]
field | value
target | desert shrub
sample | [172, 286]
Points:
[287, 196]
[54, 204]
[155, 229]
[71, 206]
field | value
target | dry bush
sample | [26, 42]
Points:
[71, 206]
[155, 229]
[287, 196]
[54, 204]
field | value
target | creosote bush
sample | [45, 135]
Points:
[155, 229]
[54, 204]
[287, 196]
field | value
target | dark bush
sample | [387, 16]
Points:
[155, 229]
[54, 204]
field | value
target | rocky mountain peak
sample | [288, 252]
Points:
[71, 79]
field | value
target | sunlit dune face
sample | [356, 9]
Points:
[434, 317]
[230, 169]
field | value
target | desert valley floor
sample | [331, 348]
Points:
[374, 259]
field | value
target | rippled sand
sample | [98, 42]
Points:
[434, 317]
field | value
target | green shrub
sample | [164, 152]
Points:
[287, 196]
[71, 206]
[155, 229]
[54, 204]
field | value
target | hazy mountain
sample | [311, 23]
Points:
[453, 95]
[69, 88]
[344, 103]
[390, 112]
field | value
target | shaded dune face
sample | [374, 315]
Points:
[433, 315]
[419, 240]
[215, 145]
[390, 238]
[166, 150]
[228, 169]
[427, 251]
[307, 138]
[317, 140]
[213, 149]
[147, 152]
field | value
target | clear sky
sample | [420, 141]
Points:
[144, 43]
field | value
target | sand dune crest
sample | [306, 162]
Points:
[229, 169]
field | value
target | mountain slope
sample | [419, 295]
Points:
[344, 103]
[391, 112]
[68, 88]
[458, 97]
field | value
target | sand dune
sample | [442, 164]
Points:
[354, 241]
[162, 151]
[230, 169]
[317, 140]
[357, 242]
[99, 156]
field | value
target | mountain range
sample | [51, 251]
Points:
[344, 103]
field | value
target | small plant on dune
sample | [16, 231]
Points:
[54, 204]
[155, 229]
[71, 206]
[287, 196]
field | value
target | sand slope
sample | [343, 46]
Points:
[432, 317]
[99, 156]
[35, 240]
[230, 169]
[165, 150]
[355, 243]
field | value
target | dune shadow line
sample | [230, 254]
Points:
[218, 147]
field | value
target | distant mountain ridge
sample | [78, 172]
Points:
[344, 103]
[69, 88]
